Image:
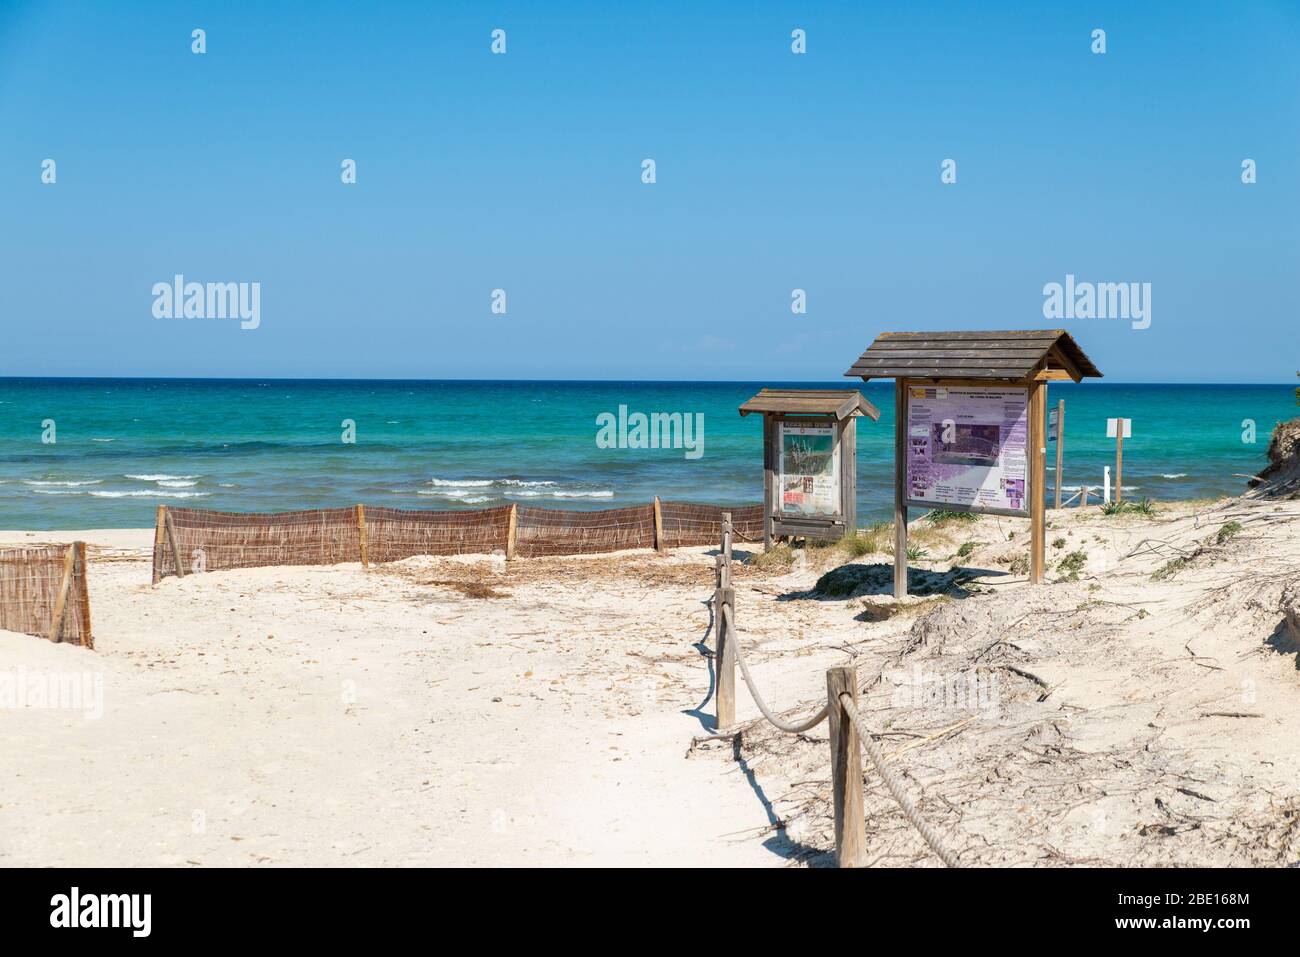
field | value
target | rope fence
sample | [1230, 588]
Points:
[1080, 496]
[43, 593]
[849, 735]
[188, 540]
[931, 836]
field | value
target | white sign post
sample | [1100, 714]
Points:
[1119, 430]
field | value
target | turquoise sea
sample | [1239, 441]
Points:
[123, 446]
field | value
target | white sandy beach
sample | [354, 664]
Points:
[332, 716]
[338, 716]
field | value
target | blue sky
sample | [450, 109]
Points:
[775, 171]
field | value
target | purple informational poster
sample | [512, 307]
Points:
[968, 446]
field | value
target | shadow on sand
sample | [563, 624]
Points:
[858, 580]
[779, 843]
[1284, 643]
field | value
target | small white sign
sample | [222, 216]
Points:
[1112, 428]
[1052, 425]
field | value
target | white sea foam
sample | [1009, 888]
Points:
[175, 483]
[1173, 475]
[562, 493]
[457, 494]
[462, 489]
[65, 484]
[147, 493]
[1096, 488]
[484, 483]
[161, 477]
[460, 483]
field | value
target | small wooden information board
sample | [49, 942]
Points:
[810, 462]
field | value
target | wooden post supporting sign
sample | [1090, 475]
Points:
[900, 488]
[1059, 433]
[1119, 430]
[1119, 467]
[1037, 478]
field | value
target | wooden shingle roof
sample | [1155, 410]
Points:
[840, 403]
[1001, 354]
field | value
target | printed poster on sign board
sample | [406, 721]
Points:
[809, 479]
[968, 447]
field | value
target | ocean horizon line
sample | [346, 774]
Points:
[583, 381]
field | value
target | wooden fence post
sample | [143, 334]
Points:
[61, 600]
[512, 531]
[361, 535]
[659, 527]
[846, 770]
[725, 660]
[176, 549]
[87, 636]
[160, 521]
[726, 665]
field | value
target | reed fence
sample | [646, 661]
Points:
[393, 534]
[688, 524]
[43, 592]
[190, 539]
[544, 531]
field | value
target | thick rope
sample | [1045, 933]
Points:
[909, 809]
[808, 725]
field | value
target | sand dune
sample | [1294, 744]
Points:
[430, 712]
